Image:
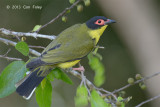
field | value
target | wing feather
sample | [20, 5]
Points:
[71, 44]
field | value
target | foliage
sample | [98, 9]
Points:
[97, 66]
[59, 74]
[96, 100]
[44, 94]
[44, 90]
[23, 48]
[36, 28]
[14, 72]
[17, 70]
[81, 98]
[120, 102]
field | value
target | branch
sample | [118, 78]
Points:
[149, 100]
[75, 73]
[136, 82]
[59, 15]
[9, 58]
[9, 42]
[35, 34]
[20, 34]
[90, 84]
[41, 47]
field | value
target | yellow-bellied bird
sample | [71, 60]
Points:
[70, 46]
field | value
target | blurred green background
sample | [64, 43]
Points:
[119, 57]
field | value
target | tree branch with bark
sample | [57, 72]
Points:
[109, 97]
[101, 91]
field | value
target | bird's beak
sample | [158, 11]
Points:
[109, 21]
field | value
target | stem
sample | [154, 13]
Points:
[59, 15]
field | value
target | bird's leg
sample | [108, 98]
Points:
[81, 70]
[83, 77]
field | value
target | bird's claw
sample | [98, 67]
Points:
[81, 69]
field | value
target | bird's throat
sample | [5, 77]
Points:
[95, 34]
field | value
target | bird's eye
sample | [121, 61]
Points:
[100, 22]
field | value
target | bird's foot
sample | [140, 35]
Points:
[81, 69]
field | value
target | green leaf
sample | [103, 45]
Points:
[99, 56]
[109, 105]
[96, 100]
[71, 1]
[44, 94]
[14, 72]
[36, 28]
[81, 98]
[120, 99]
[97, 66]
[50, 76]
[57, 73]
[22, 47]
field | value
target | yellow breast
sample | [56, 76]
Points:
[68, 64]
[95, 34]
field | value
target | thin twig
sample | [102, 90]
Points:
[108, 92]
[100, 47]
[59, 15]
[7, 52]
[83, 80]
[21, 34]
[18, 38]
[136, 82]
[75, 73]
[9, 42]
[41, 47]
[149, 100]
[90, 84]
[9, 58]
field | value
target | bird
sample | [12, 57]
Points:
[69, 47]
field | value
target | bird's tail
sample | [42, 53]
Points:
[27, 86]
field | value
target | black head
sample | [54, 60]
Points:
[98, 21]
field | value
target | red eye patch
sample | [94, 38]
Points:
[99, 22]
